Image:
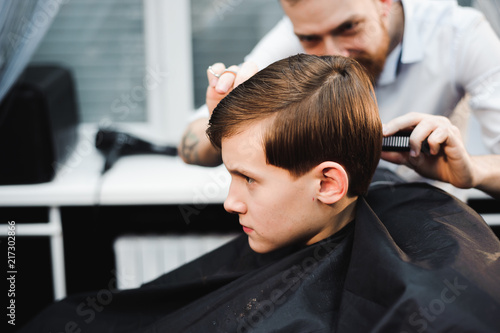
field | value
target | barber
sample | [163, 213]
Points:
[422, 56]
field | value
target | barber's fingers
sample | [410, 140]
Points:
[395, 157]
[222, 80]
[449, 139]
[440, 134]
[438, 137]
[214, 72]
[436, 129]
[247, 70]
[234, 76]
[227, 79]
[403, 122]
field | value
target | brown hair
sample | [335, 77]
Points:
[322, 108]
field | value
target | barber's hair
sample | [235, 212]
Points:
[319, 109]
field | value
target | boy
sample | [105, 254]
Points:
[301, 140]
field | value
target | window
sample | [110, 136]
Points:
[226, 31]
[131, 60]
[142, 63]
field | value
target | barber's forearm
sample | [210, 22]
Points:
[487, 174]
[195, 147]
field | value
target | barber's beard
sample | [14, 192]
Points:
[374, 63]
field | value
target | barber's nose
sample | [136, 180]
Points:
[233, 203]
[332, 47]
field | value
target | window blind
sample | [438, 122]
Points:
[102, 42]
[226, 31]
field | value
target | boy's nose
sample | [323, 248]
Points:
[234, 205]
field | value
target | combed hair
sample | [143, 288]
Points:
[320, 109]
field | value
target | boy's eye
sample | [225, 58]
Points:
[249, 180]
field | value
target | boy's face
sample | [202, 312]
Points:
[274, 208]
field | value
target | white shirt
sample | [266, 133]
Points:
[447, 51]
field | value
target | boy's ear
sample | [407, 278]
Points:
[333, 181]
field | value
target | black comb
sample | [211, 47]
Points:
[400, 141]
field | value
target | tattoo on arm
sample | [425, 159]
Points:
[189, 149]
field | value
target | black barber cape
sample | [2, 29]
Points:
[415, 260]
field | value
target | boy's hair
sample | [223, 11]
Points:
[320, 109]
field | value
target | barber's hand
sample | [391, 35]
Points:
[448, 159]
[219, 87]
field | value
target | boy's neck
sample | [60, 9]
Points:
[347, 212]
[339, 215]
